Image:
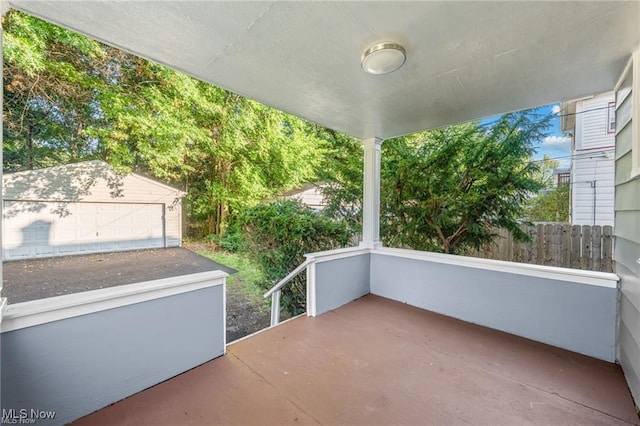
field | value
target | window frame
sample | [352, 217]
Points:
[611, 117]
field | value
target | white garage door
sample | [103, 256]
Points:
[44, 229]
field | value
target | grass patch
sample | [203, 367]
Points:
[248, 277]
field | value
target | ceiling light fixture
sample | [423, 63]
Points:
[383, 58]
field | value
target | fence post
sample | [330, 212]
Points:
[548, 244]
[557, 245]
[596, 247]
[566, 246]
[607, 248]
[586, 248]
[540, 244]
[575, 247]
[531, 230]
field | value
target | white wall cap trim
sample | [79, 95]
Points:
[325, 256]
[600, 279]
[35, 312]
[3, 305]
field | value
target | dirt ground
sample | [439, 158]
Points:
[246, 313]
[34, 279]
[243, 315]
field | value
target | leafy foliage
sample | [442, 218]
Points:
[48, 93]
[545, 175]
[445, 189]
[551, 206]
[278, 235]
[341, 177]
[70, 99]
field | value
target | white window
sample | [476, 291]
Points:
[611, 117]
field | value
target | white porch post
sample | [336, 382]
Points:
[371, 194]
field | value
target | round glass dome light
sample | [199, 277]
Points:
[383, 58]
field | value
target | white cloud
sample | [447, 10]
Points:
[555, 109]
[560, 143]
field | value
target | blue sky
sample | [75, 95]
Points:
[556, 145]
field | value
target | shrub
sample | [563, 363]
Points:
[232, 240]
[278, 235]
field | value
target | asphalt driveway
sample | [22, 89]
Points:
[33, 279]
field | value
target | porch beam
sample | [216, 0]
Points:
[371, 194]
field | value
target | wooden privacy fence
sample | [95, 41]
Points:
[578, 247]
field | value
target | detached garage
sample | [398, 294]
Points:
[86, 208]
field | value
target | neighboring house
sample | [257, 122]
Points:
[561, 176]
[86, 208]
[309, 194]
[591, 122]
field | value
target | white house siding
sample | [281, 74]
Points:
[585, 171]
[310, 195]
[593, 161]
[84, 208]
[627, 229]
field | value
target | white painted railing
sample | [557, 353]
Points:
[309, 264]
[275, 291]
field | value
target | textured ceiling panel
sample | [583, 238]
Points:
[464, 60]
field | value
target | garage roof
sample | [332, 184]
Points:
[75, 182]
[465, 60]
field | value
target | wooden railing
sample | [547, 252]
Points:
[578, 247]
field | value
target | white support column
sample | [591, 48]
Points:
[371, 196]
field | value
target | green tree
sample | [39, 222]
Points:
[546, 167]
[226, 151]
[446, 189]
[341, 176]
[278, 235]
[68, 99]
[48, 93]
[550, 206]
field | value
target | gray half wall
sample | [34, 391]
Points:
[578, 317]
[340, 281]
[78, 365]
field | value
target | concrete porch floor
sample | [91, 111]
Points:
[375, 361]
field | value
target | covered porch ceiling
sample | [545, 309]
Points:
[465, 60]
